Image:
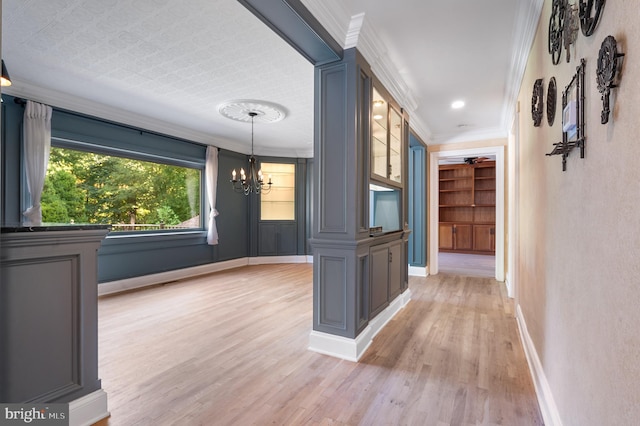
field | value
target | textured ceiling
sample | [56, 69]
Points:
[171, 62]
[167, 65]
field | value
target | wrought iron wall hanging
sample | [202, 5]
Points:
[589, 20]
[572, 117]
[570, 27]
[606, 73]
[536, 103]
[552, 98]
[556, 22]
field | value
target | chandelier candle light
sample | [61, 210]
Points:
[255, 181]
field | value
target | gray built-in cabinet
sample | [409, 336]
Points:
[357, 272]
[49, 313]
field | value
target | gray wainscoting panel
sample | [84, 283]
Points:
[332, 293]
[35, 337]
[333, 150]
[49, 314]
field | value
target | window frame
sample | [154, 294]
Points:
[63, 143]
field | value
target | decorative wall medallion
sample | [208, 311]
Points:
[536, 103]
[589, 21]
[552, 95]
[570, 26]
[606, 73]
[555, 30]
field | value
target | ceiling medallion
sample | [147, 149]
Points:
[240, 109]
[556, 22]
[536, 103]
[606, 73]
[552, 95]
[588, 23]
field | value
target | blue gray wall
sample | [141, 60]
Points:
[127, 257]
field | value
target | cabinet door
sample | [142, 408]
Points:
[484, 238]
[268, 239]
[395, 269]
[445, 236]
[277, 239]
[463, 237]
[379, 279]
[379, 136]
[395, 146]
[287, 239]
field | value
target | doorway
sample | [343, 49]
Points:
[434, 159]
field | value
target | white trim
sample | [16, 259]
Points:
[524, 31]
[55, 98]
[88, 409]
[179, 274]
[509, 285]
[164, 277]
[418, 271]
[268, 260]
[353, 349]
[548, 408]
[434, 185]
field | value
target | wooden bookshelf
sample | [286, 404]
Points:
[467, 207]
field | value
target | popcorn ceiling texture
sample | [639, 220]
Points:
[579, 271]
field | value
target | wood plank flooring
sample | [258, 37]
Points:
[475, 265]
[231, 349]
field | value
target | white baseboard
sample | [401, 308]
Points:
[89, 409]
[547, 404]
[179, 274]
[353, 349]
[165, 277]
[418, 271]
[268, 260]
[507, 283]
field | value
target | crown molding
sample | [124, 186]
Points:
[26, 90]
[355, 31]
[524, 31]
[333, 16]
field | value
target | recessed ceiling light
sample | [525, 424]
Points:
[457, 104]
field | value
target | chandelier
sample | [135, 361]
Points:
[253, 181]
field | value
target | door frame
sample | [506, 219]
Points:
[434, 188]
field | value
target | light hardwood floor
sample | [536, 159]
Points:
[231, 349]
[476, 265]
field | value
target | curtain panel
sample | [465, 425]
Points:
[37, 145]
[211, 176]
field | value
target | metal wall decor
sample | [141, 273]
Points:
[572, 117]
[536, 103]
[552, 96]
[606, 73]
[556, 22]
[589, 21]
[570, 27]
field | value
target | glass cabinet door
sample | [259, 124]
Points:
[379, 136]
[386, 141]
[395, 146]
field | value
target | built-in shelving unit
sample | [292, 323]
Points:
[467, 207]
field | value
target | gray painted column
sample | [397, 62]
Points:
[340, 234]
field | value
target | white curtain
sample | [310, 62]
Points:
[211, 176]
[37, 144]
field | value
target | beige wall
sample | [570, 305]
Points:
[579, 270]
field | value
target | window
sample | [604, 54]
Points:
[128, 194]
[279, 203]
